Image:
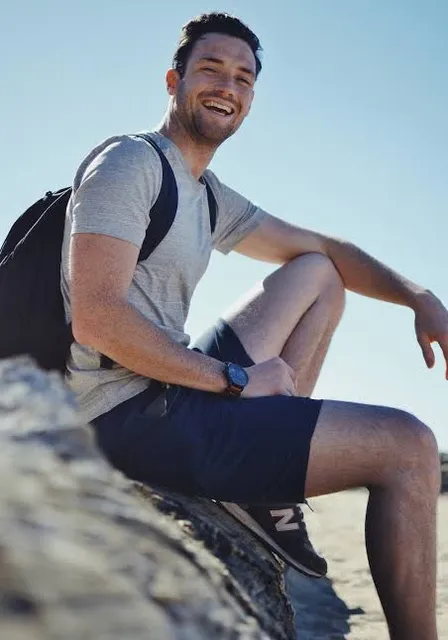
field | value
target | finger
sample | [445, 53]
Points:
[288, 367]
[288, 392]
[444, 346]
[292, 388]
[292, 382]
[427, 351]
[292, 372]
[289, 388]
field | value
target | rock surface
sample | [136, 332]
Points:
[87, 555]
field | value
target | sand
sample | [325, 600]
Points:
[346, 605]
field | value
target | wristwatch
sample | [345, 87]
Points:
[237, 379]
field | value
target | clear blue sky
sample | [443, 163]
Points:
[348, 135]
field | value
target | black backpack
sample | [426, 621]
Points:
[32, 317]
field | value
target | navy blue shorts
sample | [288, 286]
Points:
[250, 450]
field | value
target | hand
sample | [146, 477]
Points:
[270, 378]
[431, 325]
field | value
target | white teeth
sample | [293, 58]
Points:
[218, 105]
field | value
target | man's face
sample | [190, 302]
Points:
[215, 94]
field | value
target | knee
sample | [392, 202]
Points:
[327, 278]
[417, 451]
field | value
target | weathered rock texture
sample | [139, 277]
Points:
[87, 555]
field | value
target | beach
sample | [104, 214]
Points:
[346, 605]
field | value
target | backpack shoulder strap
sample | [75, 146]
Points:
[164, 209]
[167, 202]
[212, 206]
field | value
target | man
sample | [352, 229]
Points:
[232, 419]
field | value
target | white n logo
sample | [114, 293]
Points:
[284, 523]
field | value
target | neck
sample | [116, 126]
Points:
[197, 156]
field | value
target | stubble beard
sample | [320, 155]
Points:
[210, 132]
[200, 128]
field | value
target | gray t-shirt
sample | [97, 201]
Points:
[113, 192]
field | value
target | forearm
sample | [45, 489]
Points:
[368, 276]
[120, 332]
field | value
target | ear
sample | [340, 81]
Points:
[172, 81]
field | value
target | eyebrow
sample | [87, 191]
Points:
[221, 62]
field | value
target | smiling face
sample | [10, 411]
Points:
[214, 96]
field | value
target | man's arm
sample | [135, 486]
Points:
[278, 241]
[100, 273]
[101, 270]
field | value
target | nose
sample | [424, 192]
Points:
[225, 86]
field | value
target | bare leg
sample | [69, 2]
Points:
[294, 313]
[395, 456]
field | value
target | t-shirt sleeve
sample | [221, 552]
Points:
[115, 189]
[237, 217]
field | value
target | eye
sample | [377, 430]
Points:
[209, 69]
[244, 81]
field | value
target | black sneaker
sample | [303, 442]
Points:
[282, 528]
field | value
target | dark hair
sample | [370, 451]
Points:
[213, 23]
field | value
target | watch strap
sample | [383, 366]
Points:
[233, 389]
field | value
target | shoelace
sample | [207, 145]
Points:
[309, 506]
[301, 518]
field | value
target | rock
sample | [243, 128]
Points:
[85, 554]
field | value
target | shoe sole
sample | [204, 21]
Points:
[244, 518]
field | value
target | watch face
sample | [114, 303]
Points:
[237, 375]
